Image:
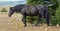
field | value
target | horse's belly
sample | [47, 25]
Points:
[30, 14]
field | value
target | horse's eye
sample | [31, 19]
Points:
[10, 7]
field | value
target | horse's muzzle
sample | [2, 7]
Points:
[9, 15]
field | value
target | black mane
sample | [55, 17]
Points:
[19, 7]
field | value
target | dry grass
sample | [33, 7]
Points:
[14, 23]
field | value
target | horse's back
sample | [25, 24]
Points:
[33, 10]
[30, 10]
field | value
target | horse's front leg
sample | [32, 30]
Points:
[24, 20]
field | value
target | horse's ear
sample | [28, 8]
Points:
[10, 7]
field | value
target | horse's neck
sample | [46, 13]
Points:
[20, 8]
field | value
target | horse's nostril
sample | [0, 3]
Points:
[9, 15]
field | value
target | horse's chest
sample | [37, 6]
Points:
[31, 11]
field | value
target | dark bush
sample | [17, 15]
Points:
[3, 10]
[54, 16]
[32, 19]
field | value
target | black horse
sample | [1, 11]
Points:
[29, 10]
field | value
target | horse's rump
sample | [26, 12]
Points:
[41, 9]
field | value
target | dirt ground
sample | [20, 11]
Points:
[14, 23]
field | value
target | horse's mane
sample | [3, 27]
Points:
[20, 5]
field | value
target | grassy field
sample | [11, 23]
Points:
[14, 23]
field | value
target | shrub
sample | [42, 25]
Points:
[54, 19]
[32, 19]
[3, 10]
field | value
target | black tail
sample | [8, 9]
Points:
[47, 15]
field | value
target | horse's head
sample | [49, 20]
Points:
[11, 11]
[16, 8]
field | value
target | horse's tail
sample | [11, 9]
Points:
[47, 15]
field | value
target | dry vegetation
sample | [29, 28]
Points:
[14, 23]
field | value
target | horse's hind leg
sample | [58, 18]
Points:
[39, 19]
[24, 20]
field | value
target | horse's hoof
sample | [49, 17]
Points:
[48, 25]
[25, 25]
[36, 25]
